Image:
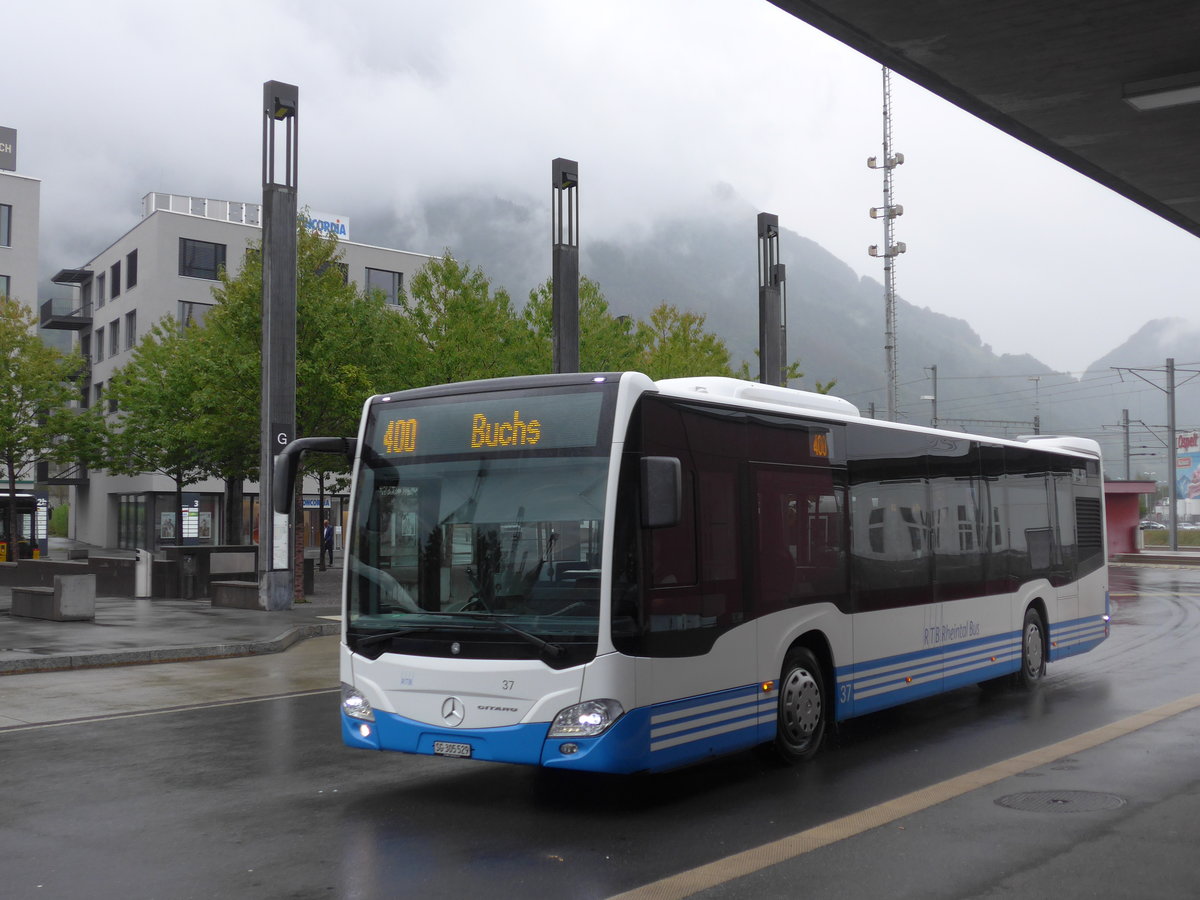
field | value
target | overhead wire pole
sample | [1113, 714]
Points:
[933, 397]
[891, 250]
[1172, 448]
[1125, 430]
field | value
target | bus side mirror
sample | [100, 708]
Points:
[661, 491]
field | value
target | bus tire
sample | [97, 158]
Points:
[1033, 650]
[802, 707]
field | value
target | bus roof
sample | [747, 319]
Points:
[739, 391]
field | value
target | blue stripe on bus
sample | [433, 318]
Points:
[679, 732]
[876, 684]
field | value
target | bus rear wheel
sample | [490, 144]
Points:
[1033, 650]
[801, 723]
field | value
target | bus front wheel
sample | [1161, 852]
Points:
[1033, 650]
[801, 707]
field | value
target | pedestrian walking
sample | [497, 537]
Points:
[326, 544]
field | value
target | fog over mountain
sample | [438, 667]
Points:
[835, 321]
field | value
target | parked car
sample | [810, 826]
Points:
[1149, 525]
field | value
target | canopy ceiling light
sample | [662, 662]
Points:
[1160, 93]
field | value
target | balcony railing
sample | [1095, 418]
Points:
[65, 315]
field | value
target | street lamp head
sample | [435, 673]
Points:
[281, 100]
[564, 174]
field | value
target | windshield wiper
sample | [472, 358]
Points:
[367, 640]
[552, 650]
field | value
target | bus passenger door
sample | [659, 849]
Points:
[799, 561]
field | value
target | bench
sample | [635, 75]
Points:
[72, 599]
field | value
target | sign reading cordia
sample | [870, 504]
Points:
[327, 223]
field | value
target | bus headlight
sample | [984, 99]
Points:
[355, 705]
[586, 719]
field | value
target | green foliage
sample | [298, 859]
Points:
[60, 518]
[36, 387]
[348, 345]
[155, 426]
[1185, 537]
[607, 343]
[675, 345]
[464, 330]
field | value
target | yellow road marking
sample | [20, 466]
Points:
[755, 859]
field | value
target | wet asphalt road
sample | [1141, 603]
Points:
[260, 799]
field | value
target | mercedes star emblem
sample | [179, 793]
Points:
[453, 712]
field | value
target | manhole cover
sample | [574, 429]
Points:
[1061, 801]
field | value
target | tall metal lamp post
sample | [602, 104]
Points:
[277, 425]
[564, 207]
[771, 337]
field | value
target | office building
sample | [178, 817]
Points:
[20, 205]
[167, 265]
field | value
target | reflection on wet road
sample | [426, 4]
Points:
[262, 799]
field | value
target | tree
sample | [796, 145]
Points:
[464, 330]
[675, 345]
[607, 343]
[349, 345]
[154, 427]
[36, 388]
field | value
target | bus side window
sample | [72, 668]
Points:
[798, 537]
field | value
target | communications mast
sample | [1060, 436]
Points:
[888, 212]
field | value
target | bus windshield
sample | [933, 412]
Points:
[482, 555]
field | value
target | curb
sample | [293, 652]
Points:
[103, 659]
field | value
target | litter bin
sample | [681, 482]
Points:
[142, 574]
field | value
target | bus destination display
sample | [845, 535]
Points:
[500, 423]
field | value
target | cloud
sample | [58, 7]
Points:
[406, 104]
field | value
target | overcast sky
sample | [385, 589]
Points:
[662, 102]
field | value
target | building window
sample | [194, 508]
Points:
[200, 259]
[130, 329]
[97, 393]
[4, 285]
[192, 313]
[116, 279]
[86, 299]
[114, 337]
[340, 266]
[130, 269]
[85, 349]
[100, 296]
[390, 284]
[5, 225]
[99, 345]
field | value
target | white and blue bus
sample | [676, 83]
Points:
[606, 573]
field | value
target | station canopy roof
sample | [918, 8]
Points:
[1111, 89]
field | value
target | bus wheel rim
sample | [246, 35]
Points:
[801, 708]
[1033, 649]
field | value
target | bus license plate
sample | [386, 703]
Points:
[445, 748]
